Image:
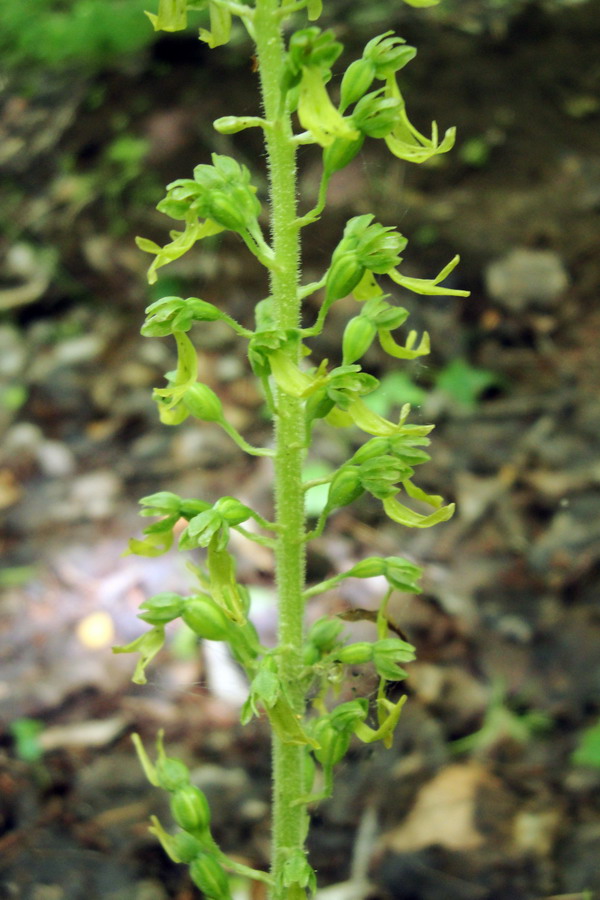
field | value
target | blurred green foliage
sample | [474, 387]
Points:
[91, 34]
[63, 33]
[25, 733]
[587, 752]
[465, 383]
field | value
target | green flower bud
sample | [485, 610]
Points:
[185, 847]
[233, 124]
[172, 774]
[345, 487]
[163, 503]
[161, 608]
[205, 618]
[310, 654]
[208, 875]
[203, 403]
[368, 568]
[324, 633]
[189, 808]
[358, 337]
[340, 152]
[357, 80]
[355, 654]
[233, 511]
[388, 653]
[226, 211]
[344, 274]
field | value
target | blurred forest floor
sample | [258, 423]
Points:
[480, 798]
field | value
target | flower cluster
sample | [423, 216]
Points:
[299, 108]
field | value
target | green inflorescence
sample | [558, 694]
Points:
[298, 109]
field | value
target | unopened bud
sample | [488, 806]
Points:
[172, 774]
[325, 633]
[185, 847]
[355, 654]
[358, 337]
[233, 124]
[189, 808]
[340, 152]
[369, 568]
[205, 618]
[208, 875]
[203, 403]
[233, 511]
[161, 608]
[344, 274]
[357, 80]
[344, 488]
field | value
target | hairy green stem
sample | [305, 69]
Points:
[288, 759]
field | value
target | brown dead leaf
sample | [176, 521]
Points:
[10, 489]
[445, 811]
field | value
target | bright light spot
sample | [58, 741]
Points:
[96, 630]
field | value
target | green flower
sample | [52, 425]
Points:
[172, 16]
[387, 656]
[219, 31]
[430, 286]
[317, 113]
[375, 115]
[147, 645]
[172, 314]
[388, 53]
[311, 55]
[382, 56]
[365, 246]
[405, 141]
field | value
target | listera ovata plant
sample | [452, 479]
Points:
[310, 737]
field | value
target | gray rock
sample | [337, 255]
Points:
[527, 278]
